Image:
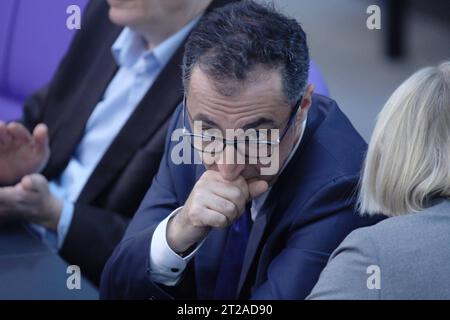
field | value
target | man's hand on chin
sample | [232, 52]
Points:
[31, 200]
[213, 203]
[22, 153]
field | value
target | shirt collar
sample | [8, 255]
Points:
[259, 201]
[130, 46]
[164, 51]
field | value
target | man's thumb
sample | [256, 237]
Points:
[33, 182]
[257, 188]
[40, 134]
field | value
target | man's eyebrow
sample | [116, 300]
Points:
[204, 118]
[254, 124]
[259, 122]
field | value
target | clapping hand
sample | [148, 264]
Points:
[22, 153]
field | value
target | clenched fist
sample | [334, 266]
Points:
[213, 203]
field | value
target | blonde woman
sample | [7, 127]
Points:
[406, 177]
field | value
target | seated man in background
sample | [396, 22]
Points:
[228, 229]
[99, 128]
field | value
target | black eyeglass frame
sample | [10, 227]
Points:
[234, 142]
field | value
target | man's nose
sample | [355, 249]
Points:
[228, 166]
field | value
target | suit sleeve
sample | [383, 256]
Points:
[322, 224]
[353, 272]
[92, 237]
[127, 272]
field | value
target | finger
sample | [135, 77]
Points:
[7, 195]
[40, 134]
[27, 183]
[214, 219]
[211, 175]
[19, 134]
[26, 192]
[12, 200]
[225, 207]
[7, 201]
[34, 182]
[234, 191]
[5, 138]
[257, 188]
[231, 193]
[240, 183]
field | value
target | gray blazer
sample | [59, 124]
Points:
[405, 257]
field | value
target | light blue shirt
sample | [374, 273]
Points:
[138, 70]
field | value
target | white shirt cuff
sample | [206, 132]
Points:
[64, 222]
[66, 214]
[54, 240]
[166, 266]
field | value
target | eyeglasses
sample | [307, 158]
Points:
[251, 143]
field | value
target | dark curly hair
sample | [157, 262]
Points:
[231, 41]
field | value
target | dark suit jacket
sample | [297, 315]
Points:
[308, 213]
[119, 182]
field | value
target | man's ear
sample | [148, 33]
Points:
[305, 103]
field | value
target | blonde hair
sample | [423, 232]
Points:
[408, 161]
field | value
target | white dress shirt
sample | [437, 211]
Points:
[138, 70]
[166, 266]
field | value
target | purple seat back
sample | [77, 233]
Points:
[33, 39]
[6, 24]
[40, 38]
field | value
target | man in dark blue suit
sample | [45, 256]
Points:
[261, 228]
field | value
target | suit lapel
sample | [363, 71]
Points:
[256, 235]
[71, 125]
[152, 112]
[207, 262]
[277, 201]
